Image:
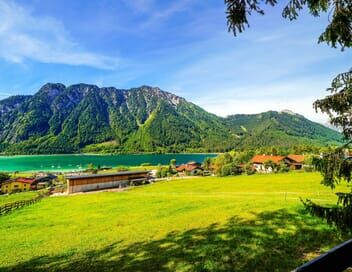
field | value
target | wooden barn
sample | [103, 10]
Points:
[85, 183]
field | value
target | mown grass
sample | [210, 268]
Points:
[245, 223]
[4, 199]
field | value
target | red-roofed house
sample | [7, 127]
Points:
[193, 168]
[17, 185]
[293, 161]
[258, 162]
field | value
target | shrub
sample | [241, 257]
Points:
[250, 170]
[283, 168]
[308, 168]
[231, 169]
[207, 163]
[162, 172]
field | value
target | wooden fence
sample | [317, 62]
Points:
[8, 207]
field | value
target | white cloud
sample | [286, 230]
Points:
[24, 36]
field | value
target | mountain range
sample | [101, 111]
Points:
[86, 118]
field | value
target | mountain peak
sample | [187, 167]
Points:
[52, 89]
[288, 112]
[159, 93]
[83, 87]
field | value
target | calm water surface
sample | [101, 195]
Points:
[58, 163]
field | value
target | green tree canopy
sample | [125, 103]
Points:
[4, 176]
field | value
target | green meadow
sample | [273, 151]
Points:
[243, 223]
[4, 199]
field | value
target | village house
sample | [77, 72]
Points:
[191, 168]
[44, 181]
[295, 162]
[260, 162]
[17, 185]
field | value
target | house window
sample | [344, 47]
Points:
[15, 186]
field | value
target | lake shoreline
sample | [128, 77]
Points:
[109, 154]
[80, 162]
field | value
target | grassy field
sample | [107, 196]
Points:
[16, 197]
[245, 223]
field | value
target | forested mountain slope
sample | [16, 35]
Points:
[82, 117]
[280, 128]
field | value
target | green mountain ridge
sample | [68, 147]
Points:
[279, 128]
[86, 118]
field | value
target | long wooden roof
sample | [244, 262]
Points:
[106, 175]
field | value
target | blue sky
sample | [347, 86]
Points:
[180, 46]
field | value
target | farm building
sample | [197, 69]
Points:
[85, 183]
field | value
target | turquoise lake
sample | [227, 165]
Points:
[61, 163]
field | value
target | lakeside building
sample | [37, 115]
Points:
[86, 183]
[193, 168]
[17, 185]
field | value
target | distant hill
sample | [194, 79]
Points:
[60, 119]
[280, 129]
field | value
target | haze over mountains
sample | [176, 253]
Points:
[82, 117]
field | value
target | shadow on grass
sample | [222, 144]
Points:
[273, 241]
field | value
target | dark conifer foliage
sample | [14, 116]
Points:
[337, 33]
[338, 104]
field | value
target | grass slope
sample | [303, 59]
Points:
[4, 199]
[203, 224]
